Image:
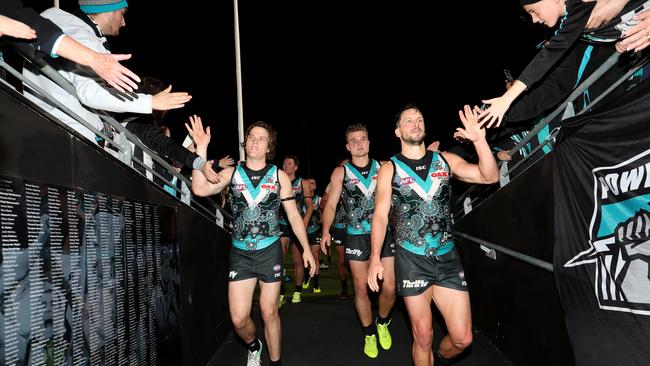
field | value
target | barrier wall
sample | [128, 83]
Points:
[515, 304]
[108, 267]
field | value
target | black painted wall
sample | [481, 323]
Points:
[513, 303]
[36, 148]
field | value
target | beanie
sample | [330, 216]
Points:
[101, 6]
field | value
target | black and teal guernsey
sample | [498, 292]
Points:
[421, 198]
[296, 188]
[359, 185]
[314, 220]
[339, 219]
[255, 203]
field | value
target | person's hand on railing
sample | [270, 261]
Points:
[226, 161]
[503, 156]
[16, 29]
[604, 11]
[472, 131]
[636, 38]
[166, 100]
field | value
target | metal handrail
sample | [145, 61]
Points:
[58, 104]
[611, 61]
[602, 69]
[107, 120]
[618, 82]
[507, 251]
[66, 110]
[50, 72]
[608, 64]
[548, 139]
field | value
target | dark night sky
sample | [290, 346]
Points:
[310, 68]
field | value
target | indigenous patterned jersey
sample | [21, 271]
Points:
[339, 219]
[358, 196]
[255, 207]
[422, 204]
[314, 221]
[296, 188]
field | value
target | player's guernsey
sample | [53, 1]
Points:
[359, 184]
[421, 196]
[339, 218]
[255, 203]
[296, 187]
[314, 221]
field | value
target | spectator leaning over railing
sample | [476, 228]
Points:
[147, 129]
[20, 22]
[89, 26]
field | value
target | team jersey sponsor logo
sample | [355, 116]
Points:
[269, 186]
[356, 252]
[240, 187]
[406, 180]
[232, 274]
[414, 284]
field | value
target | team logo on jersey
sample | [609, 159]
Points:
[619, 245]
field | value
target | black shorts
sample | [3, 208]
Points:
[338, 236]
[357, 247]
[415, 273]
[314, 238]
[287, 232]
[264, 264]
[284, 231]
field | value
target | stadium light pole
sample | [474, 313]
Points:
[240, 102]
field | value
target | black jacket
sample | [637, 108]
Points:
[47, 32]
[149, 132]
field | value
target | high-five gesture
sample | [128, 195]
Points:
[166, 100]
[195, 129]
[472, 131]
[201, 138]
[493, 115]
